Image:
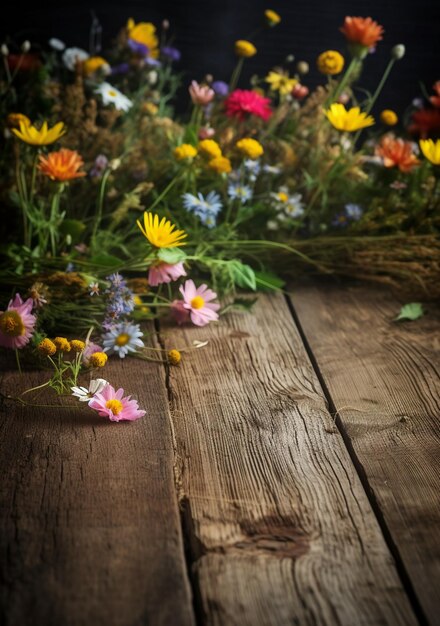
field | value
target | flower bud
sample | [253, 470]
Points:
[398, 52]
[25, 46]
[5, 50]
[302, 67]
[165, 24]
[290, 58]
[114, 164]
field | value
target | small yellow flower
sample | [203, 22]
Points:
[39, 137]
[330, 62]
[431, 150]
[221, 165]
[272, 17]
[14, 119]
[77, 345]
[185, 151]
[210, 148]
[350, 120]
[161, 234]
[98, 359]
[47, 347]
[279, 81]
[174, 357]
[62, 344]
[244, 48]
[250, 148]
[150, 108]
[388, 117]
[93, 64]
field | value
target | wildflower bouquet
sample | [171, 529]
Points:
[124, 212]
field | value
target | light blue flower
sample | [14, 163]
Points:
[271, 169]
[253, 168]
[239, 192]
[122, 339]
[294, 207]
[353, 211]
[206, 208]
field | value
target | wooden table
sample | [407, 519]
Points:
[286, 473]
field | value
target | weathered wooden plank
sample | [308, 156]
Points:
[281, 529]
[89, 524]
[384, 380]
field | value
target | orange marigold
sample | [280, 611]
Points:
[362, 30]
[62, 165]
[397, 153]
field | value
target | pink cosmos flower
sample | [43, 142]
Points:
[178, 311]
[165, 273]
[198, 302]
[90, 349]
[206, 132]
[241, 103]
[17, 323]
[110, 403]
[201, 94]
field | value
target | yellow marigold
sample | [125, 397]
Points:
[389, 117]
[47, 347]
[350, 120]
[221, 165]
[431, 150]
[210, 148]
[77, 345]
[145, 34]
[185, 151]
[272, 17]
[98, 359]
[250, 148]
[244, 48]
[62, 344]
[330, 62]
[174, 357]
[38, 137]
[280, 81]
[93, 64]
[14, 119]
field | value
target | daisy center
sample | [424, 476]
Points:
[115, 406]
[122, 339]
[283, 197]
[11, 324]
[197, 302]
[112, 93]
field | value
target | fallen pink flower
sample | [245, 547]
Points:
[165, 273]
[198, 302]
[112, 404]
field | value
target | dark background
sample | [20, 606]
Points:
[205, 30]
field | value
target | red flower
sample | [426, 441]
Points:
[29, 62]
[425, 122]
[242, 103]
[435, 100]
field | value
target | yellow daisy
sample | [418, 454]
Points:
[431, 150]
[39, 137]
[350, 120]
[160, 234]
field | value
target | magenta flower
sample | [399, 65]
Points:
[165, 273]
[242, 103]
[178, 311]
[110, 403]
[17, 323]
[201, 94]
[198, 302]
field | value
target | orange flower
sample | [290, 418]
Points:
[397, 153]
[362, 30]
[62, 165]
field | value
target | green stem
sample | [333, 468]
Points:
[339, 89]
[99, 207]
[164, 192]
[53, 220]
[17, 357]
[236, 74]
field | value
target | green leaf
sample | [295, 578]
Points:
[268, 281]
[171, 255]
[105, 260]
[74, 228]
[411, 311]
[243, 275]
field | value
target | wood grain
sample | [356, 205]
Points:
[280, 527]
[89, 524]
[384, 379]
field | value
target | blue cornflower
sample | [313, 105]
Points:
[221, 88]
[240, 192]
[206, 208]
[170, 53]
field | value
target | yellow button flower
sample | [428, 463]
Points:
[250, 148]
[185, 151]
[272, 17]
[350, 120]
[221, 165]
[98, 359]
[174, 357]
[330, 62]
[62, 344]
[431, 150]
[161, 234]
[244, 48]
[279, 81]
[77, 345]
[47, 347]
[210, 148]
[389, 117]
[39, 137]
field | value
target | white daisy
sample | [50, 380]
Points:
[111, 95]
[72, 56]
[123, 338]
[95, 386]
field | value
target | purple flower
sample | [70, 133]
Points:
[138, 48]
[170, 53]
[221, 88]
[122, 68]
[99, 166]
